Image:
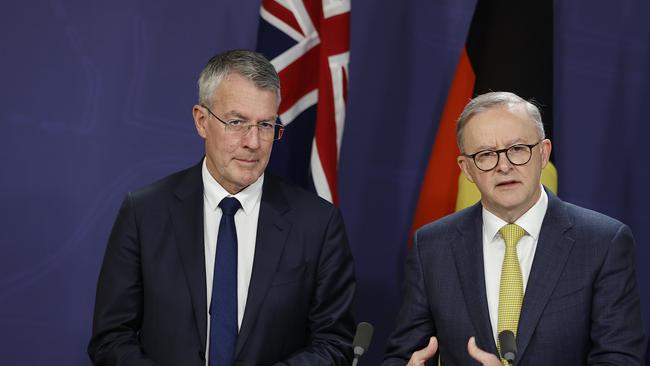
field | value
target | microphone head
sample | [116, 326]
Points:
[362, 338]
[508, 346]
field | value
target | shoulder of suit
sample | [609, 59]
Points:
[582, 224]
[590, 220]
[164, 187]
[450, 222]
[295, 196]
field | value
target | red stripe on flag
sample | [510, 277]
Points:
[440, 185]
[325, 133]
[334, 39]
[314, 9]
[334, 34]
[299, 78]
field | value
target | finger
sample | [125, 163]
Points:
[479, 355]
[420, 357]
[476, 353]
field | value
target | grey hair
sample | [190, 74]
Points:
[489, 100]
[249, 64]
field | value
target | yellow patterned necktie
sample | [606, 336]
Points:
[511, 289]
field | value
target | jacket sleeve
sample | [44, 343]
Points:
[331, 324]
[118, 304]
[617, 333]
[414, 324]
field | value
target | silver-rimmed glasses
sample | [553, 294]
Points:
[268, 130]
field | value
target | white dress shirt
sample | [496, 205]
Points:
[494, 249]
[246, 227]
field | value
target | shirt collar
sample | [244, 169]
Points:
[530, 221]
[214, 192]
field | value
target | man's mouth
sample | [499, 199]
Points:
[507, 184]
[247, 160]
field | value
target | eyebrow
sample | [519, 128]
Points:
[517, 141]
[235, 114]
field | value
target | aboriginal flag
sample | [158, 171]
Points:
[509, 48]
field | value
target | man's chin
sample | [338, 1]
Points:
[249, 178]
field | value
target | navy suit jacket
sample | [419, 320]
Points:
[151, 295]
[581, 305]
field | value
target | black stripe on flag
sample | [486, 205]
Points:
[510, 47]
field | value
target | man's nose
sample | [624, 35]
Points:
[504, 163]
[251, 138]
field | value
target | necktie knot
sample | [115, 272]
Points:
[229, 206]
[511, 233]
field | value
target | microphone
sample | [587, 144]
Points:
[508, 346]
[361, 340]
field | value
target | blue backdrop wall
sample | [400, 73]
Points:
[95, 100]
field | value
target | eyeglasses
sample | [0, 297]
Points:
[267, 130]
[518, 154]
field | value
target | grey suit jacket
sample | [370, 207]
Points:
[581, 305]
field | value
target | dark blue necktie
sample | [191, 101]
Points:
[223, 305]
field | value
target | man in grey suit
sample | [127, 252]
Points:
[221, 264]
[561, 278]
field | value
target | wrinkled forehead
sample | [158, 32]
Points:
[505, 114]
[500, 124]
[234, 82]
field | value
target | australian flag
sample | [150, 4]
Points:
[308, 43]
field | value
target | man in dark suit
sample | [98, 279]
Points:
[221, 264]
[559, 277]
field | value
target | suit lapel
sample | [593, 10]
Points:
[272, 231]
[553, 248]
[468, 255]
[187, 220]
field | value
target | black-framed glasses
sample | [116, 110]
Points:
[267, 130]
[518, 154]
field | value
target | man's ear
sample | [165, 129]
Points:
[200, 119]
[463, 164]
[545, 149]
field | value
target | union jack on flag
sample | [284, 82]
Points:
[308, 43]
